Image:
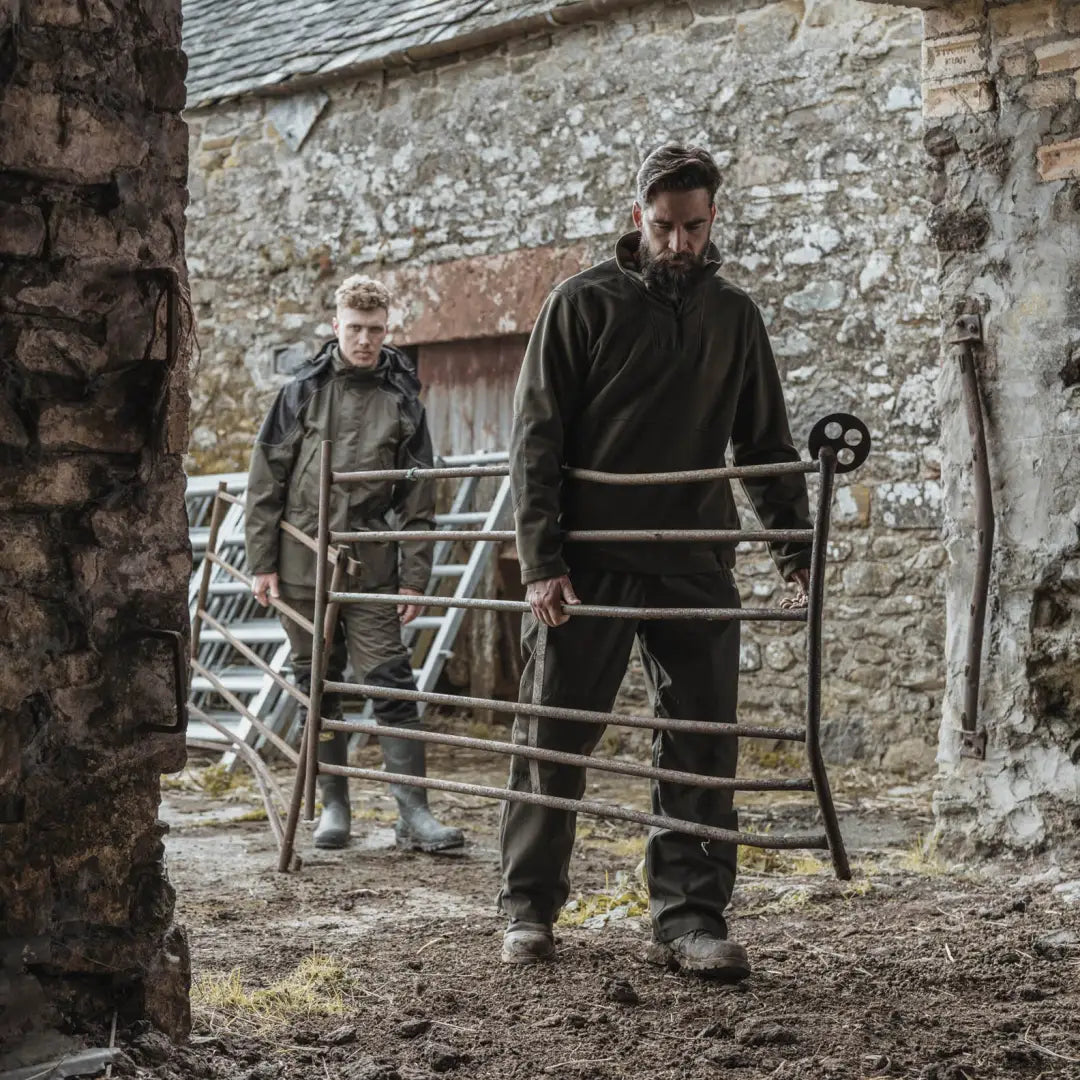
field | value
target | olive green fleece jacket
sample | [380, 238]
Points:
[620, 379]
[375, 420]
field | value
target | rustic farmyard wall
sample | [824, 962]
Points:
[1001, 95]
[531, 147]
[93, 410]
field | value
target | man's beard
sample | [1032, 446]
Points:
[667, 274]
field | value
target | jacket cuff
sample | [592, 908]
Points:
[551, 569]
[788, 564]
[408, 581]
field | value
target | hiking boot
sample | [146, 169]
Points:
[335, 821]
[702, 953]
[527, 943]
[416, 828]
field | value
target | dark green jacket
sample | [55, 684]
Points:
[375, 420]
[616, 378]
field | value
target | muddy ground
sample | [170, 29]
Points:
[380, 965]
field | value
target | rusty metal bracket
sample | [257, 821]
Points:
[967, 335]
[180, 682]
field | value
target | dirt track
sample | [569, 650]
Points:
[914, 969]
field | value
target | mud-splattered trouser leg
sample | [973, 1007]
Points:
[369, 637]
[372, 636]
[692, 669]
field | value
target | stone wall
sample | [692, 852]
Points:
[1001, 88]
[93, 425]
[514, 164]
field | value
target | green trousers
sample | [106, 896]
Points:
[369, 637]
[692, 672]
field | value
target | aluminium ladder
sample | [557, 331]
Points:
[430, 637]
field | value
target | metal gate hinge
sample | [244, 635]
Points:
[967, 330]
[973, 744]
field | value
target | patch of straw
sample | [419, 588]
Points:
[318, 987]
[922, 857]
[628, 895]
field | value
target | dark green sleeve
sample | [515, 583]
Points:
[272, 460]
[545, 399]
[761, 436]
[414, 502]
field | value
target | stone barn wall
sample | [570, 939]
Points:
[93, 426]
[1003, 97]
[476, 182]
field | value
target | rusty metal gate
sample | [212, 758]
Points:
[838, 444]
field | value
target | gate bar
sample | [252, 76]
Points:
[560, 757]
[554, 712]
[268, 787]
[217, 512]
[221, 689]
[292, 690]
[710, 614]
[693, 476]
[733, 472]
[582, 536]
[215, 748]
[284, 526]
[604, 810]
[321, 642]
[292, 819]
[813, 655]
[276, 604]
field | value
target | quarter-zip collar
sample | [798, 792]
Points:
[376, 373]
[626, 252]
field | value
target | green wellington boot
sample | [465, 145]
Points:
[416, 828]
[335, 821]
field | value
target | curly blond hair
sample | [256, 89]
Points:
[361, 293]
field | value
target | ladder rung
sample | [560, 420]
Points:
[228, 588]
[481, 457]
[197, 729]
[239, 680]
[263, 632]
[426, 622]
[471, 517]
[448, 570]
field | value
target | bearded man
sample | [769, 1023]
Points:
[363, 395]
[648, 362]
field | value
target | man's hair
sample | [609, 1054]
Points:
[362, 294]
[672, 167]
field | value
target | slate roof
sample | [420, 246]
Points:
[237, 47]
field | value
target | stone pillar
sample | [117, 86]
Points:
[1003, 135]
[94, 552]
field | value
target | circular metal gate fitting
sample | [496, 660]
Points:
[846, 435]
